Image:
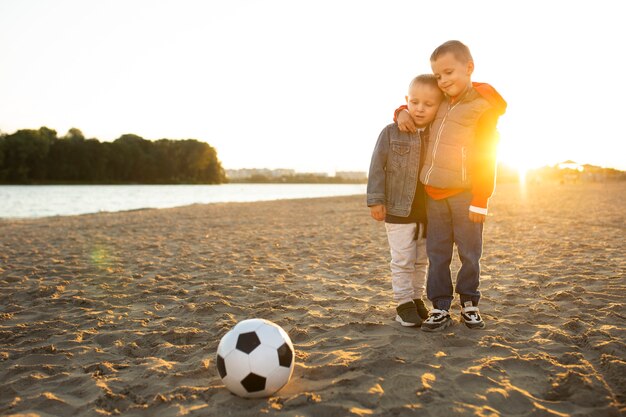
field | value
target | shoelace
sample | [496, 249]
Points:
[473, 315]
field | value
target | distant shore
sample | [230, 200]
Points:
[121, 313]
[297, 179]
[561, 173]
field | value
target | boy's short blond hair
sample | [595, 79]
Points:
[460, 51]
[425, 79]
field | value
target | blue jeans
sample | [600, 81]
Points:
[449, 224]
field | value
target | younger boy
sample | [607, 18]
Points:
[459, 177]
[395, 195]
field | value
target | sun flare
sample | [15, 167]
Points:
[521, 155]
[519, 162]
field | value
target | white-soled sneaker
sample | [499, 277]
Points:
[471, 316]
[437, 320]
[407, 315]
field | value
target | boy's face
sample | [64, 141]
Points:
[423, 101]
[453, 76]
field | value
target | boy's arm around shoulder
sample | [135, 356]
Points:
[397, 111]
[404, 121]
[378, 170]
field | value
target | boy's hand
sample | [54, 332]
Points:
[477, 217]
[378, 212]
[406, 123]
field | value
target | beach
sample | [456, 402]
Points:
[121, 313]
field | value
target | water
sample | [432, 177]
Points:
[63, 200]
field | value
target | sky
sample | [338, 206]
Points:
[309, 85]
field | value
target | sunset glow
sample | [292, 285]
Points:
[261, 83]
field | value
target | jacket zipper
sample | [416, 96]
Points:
[437, 138]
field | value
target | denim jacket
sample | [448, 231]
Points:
[393, 171]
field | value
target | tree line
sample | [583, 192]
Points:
[31, 156]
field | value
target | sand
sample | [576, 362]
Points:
[121, 313]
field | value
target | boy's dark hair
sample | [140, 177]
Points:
[460, 51]
[426, 79]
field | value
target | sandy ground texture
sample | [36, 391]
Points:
[121, 313]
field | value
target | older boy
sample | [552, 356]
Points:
[395, 195]
[459, 177]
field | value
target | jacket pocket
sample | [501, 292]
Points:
[399, 154]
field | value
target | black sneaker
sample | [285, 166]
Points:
[407, 315]
[421, 308]
[471, 316]
[437, 320]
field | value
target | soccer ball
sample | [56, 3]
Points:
[255, 358]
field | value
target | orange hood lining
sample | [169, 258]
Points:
[491, 95]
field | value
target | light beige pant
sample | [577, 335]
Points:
[409, 262]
